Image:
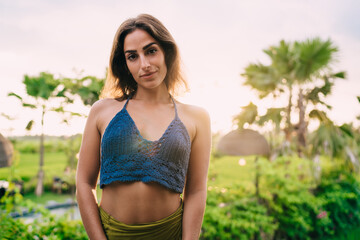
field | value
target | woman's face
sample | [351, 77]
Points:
[145, 59]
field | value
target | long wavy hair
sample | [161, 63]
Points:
[119, 83]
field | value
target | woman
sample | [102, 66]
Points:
[147, 147]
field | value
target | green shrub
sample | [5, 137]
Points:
[50, 145]
[52, 227]
[231, 215]
[339, 193]
[290, 204]
[27, 146]
[12, 229]
[284, 187]
[48, 226]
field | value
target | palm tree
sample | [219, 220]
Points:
[335, 141]
[301, 70]
[274, 79]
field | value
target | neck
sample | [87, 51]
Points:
[158, 95]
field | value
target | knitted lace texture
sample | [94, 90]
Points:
[126, 156]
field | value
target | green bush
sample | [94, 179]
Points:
[52, 227]
[339, 194]
[27, 147]
[284, 187]
[12, 229]
[33, 145]
[304, 209]
[290, 204]
[48, 226]
[230, 214]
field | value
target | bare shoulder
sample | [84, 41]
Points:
[102, 109]
[195, 112]
[105, 104]
[196, 119]
[102, 104]
[200, 129]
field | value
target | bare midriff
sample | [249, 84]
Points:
[138, 202]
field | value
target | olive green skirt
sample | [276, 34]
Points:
[166, 228]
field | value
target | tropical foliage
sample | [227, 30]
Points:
[48, 226]
[289, 197]
[41, 89]
[45, 88]
[300, 72]
[88, 88]
[291, 205]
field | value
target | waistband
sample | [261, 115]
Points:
[166, 228]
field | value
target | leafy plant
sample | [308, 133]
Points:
[299, 71]
[42, 89]
[47, 226]
[233, 214]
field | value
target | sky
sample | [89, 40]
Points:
[217, 40]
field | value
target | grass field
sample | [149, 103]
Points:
[27, 166]
[226, 170]
[49, 196]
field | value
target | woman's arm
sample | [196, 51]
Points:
[196, 179]
[87, 174]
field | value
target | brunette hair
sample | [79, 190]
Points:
[120, 83]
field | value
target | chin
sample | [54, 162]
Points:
[152, 84]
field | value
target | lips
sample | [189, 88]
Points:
[147, 75]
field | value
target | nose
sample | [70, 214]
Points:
[145, 64]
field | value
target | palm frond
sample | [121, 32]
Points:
[313, 56]
[248, 114]
[261, 78]
[274, 115]
[12, 94]
[320, 115]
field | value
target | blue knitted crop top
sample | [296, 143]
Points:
[126, 156]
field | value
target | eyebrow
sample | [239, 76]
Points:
[145, 47]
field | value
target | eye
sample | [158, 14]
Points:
[152, 50]
[131, 57]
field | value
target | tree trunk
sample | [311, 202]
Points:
[72, 164]
[302, 124]
[257, 178]
[285, 146]
[40, 186]
[288, 128]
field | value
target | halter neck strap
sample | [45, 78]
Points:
[127, 100]
[176, 114]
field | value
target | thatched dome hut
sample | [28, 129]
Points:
[243, 143]
[6, 152]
